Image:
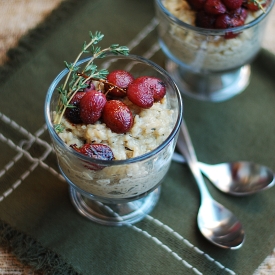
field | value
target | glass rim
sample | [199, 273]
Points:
[214, 31]
[52, 89]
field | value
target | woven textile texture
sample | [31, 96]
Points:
[17, 18]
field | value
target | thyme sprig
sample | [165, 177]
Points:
[76, 81]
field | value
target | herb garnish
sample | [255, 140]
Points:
[76, 81]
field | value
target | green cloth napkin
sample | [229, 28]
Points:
[38, 221]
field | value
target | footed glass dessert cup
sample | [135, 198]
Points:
[203, 62]
[116, 192]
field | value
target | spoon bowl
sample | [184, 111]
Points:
[238, 178]
[221, 227]
[216, 223]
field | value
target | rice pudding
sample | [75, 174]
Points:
[151, 128]
[203, 50]
[142, 155]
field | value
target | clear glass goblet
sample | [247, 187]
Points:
[203, 62]
[117, 192]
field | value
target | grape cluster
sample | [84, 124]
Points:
[222, 14]
[90, 105]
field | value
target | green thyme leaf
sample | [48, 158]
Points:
[98, 36]
[59, 128]
[84, 48]
[91, 68]
[101, 74]
[116, 49]
[64, 99]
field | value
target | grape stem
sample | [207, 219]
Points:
[113, 86]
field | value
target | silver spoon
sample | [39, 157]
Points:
[216, 223]
[238, 178]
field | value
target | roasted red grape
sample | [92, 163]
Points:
[232, 4]
[95, 151]
[139, 93]
[144, 90]
[158, 87]
[91, 106]
[223, 21]
[214, 7]
[205, 20]
[120, 79]
[117, 116]
[222, 14]
[73, 114]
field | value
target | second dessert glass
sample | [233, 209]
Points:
[116, 192]
[204, 64]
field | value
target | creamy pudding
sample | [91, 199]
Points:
[142, 155]
[150, 129]
[203, 50]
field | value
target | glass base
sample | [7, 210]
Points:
[114, 214]
[209, 87]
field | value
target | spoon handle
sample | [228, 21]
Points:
[184, 144]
